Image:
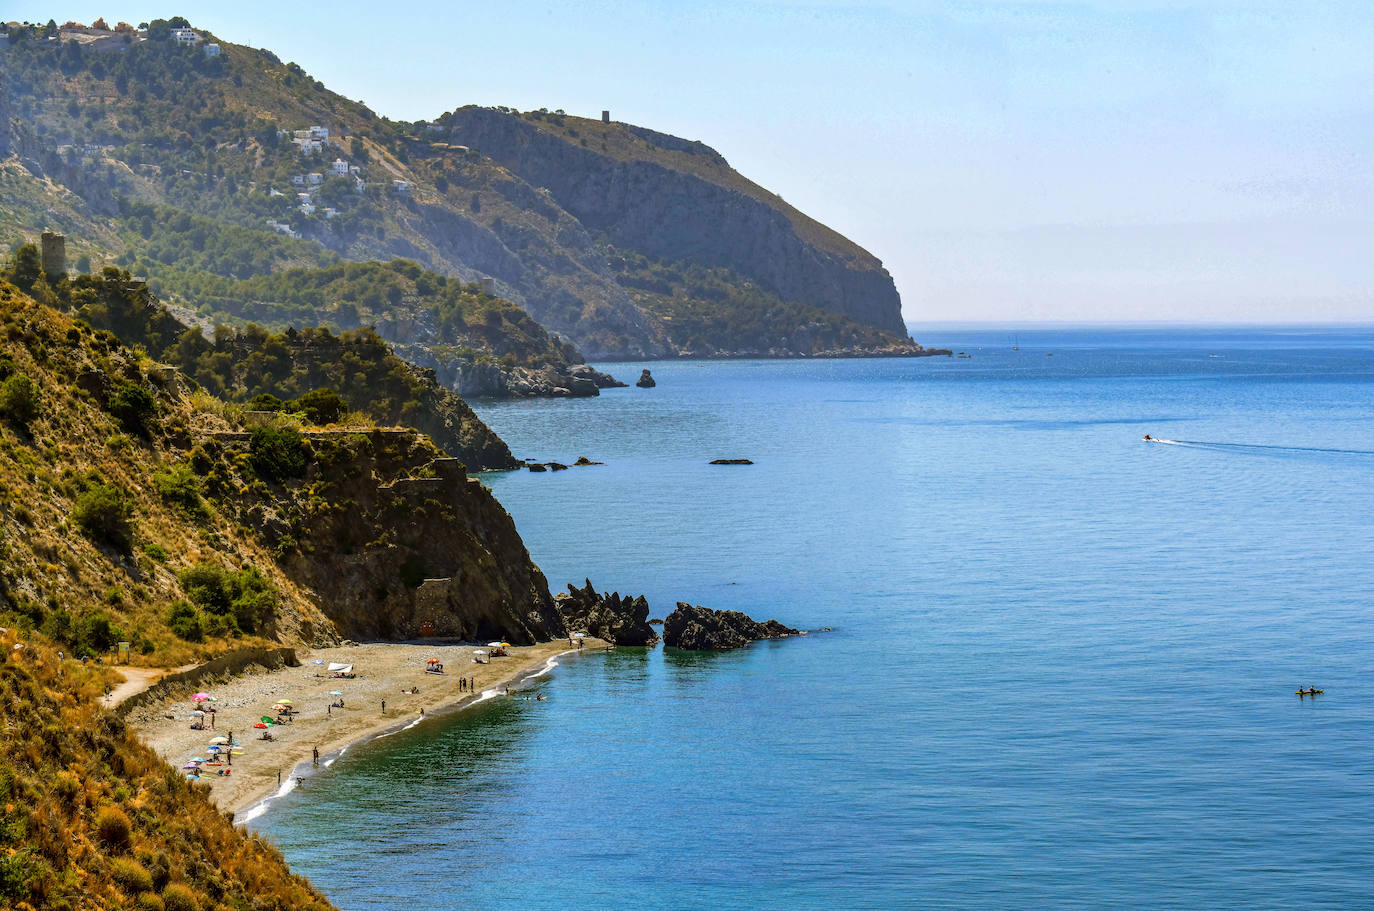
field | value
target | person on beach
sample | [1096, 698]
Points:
[383, 706]
[278, 777]
[315, 755]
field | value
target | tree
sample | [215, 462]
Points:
[19, 400]
[322, 406]
[132, 405]
[277, 454]
[102, 512]
[27, 269]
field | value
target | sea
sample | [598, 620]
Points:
[1049, 664]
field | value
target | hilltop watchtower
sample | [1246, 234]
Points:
[54, 255]
[605, 116]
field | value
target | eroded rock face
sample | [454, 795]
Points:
[663, 212]
[407, 539]
[623, 621]
[645, 381]
[702, 629]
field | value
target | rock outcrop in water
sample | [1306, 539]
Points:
[702, 629]
[623, 621]
[645, 381]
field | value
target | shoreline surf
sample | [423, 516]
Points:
[384, 670]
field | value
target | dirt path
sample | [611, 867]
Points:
[138, 679]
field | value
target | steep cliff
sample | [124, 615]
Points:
[135, 507]
[671, 199]
[398, 541]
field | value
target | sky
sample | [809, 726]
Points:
[1025, 160]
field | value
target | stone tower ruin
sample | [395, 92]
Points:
[54, 255]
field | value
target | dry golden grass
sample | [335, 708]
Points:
[91, 818]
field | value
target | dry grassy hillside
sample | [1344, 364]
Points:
[92, 819]
[100, 520]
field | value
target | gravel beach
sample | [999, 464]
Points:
[383, 670]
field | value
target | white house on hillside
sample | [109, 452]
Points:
[186, 36]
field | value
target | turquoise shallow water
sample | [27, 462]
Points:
[1062, 662]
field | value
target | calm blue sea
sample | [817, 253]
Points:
[1062, 663]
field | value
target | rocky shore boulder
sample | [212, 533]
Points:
[702, 629]
[645, 381]
[623, 621]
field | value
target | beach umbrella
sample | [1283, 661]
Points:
[190, 765]
[493, 645]
[220, 739]
[197, 714]
[197, 759]
[284, 701]
[266, 719]
[279, 708]
[335, 693]
[200, 697]
[261, 724]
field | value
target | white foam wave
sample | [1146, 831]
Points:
[261, 806]
[399, 730]
[548, 666]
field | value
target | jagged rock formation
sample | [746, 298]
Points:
[703, 629]
[645, 381]
[623, 621]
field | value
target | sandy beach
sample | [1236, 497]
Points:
[383, 670]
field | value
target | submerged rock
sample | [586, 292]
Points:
[583, 460]
[645, 381]
[622, 621]
[702, 629]
[732, 462]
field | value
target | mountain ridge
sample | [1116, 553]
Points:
[221, 137]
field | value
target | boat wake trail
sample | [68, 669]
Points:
[1260, 447]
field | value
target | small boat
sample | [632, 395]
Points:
[1310, 691]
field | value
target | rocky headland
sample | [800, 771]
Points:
[703, 629]
[619, 620]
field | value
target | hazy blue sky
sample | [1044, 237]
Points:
[1174, 159]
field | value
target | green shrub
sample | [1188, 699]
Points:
[103, 511]
[184, 621]
[241, 600]
[179, 486]
[322, 406]
[131, 875]
[155, 552]
[277, 454]
[95, 634]
[19, 400]
[133, 406]
[113, 828]
[150, 901]
[18, 871]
